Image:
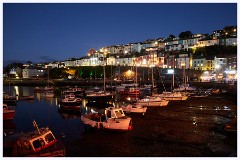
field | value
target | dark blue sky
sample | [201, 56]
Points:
[46, 32]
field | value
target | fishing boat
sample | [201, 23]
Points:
[130, 91]
[134, 108]
[70, 102]
[8, 113]
[78, 92]
[151, 101]
[38, 143]
[100, 96]
[113, 119]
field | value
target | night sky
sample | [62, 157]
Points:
[47, 32]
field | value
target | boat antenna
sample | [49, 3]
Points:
[36, 126]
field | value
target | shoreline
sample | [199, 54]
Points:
[57, 82]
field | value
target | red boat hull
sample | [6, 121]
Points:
[130, 92]
[8, 115]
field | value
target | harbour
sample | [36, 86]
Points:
[190, 128]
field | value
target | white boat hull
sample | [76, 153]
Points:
[113, 124]
[154, 104]
[134, 109]
[169, 96]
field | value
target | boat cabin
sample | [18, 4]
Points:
[31, 142]
[112, 112]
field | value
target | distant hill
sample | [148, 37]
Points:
[6, 62]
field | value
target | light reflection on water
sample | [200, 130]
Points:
[46, 112]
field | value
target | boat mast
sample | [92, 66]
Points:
[173, 72]
[136, 72]
[104, 78]
[152, 70]
[48, 78]
[35, 125]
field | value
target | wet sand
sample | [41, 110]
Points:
[192, 128]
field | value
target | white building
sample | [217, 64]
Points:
[125, 61]
[220, 63]
[111, 61]
[137, 47]
[70, 62]
[183, 61]
[173, 47]
[53, 65]
[85, 62]
[210, 42]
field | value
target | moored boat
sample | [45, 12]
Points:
[78, 92]
[134, 108]
[172, 96]
[100, 96]
[151, 101]
[70, 102]
[113, 119]
[38, 143]
[8, 113]
[130, 91]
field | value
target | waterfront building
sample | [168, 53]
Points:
[183, 60]
[111, 61]
[85, 62]
[29, 73]
[220, 65]
[125, 61]
[232, 62]
[93, 61]
[53, 65]
[199, 63]
[78, 62]
[70, 62]
[171, 61]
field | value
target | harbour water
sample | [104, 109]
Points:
[191, 128]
